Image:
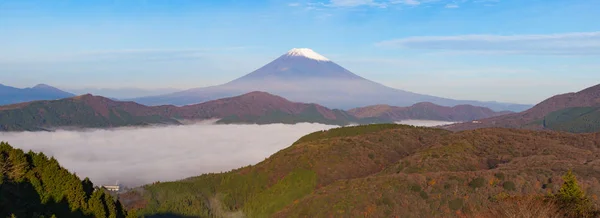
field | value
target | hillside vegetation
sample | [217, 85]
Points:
[33, 185]
[89, 111]
[82, 111]
[387, 171]
[577, 112]
[425, 111]
[576, 120]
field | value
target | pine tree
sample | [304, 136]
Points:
[570, 191]
[572, 200]
[38, 186]
[88, 187]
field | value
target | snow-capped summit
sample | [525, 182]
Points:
[303, 75]
[307, 53]
[297, 65]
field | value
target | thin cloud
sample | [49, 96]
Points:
[578, 43]
[411, 2]
[149, 54]
[136, 156]
[389, 3]
[355, 3]
[425, 123]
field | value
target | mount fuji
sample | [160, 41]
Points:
[303, 75]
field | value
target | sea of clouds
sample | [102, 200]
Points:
[137, 156]
[425, 123]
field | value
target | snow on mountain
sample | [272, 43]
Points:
[303, 75]
[307, 53]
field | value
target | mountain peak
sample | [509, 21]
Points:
[307, 53]
[43, 86]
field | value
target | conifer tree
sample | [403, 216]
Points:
[572, 200]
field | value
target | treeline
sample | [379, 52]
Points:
[33, 185]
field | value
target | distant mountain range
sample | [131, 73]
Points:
[122, 93]
[12, 95]
[90, 111]
[577, 112]
[303, 75]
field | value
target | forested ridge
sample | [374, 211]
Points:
[34, 185]
[395, 170]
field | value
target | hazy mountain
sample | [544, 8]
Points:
[12, 95]
[390, 171]
[425, 111]
[303, 75]
[574, 112]
[121, 93]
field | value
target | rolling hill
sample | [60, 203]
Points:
[425, 111]
[97, 112]
[302, 75]
[12, 95]
[573, 112]
[81, 111]
[90, 111]
[388, 171]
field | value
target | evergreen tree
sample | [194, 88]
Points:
[33, 185]
[572, 200]
[570, 190]
[88, 187]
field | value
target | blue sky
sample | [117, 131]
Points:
[519, 51]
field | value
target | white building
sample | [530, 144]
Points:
[112, 188]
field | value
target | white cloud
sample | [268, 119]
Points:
[294, 4]
[452, 5]
[136, 156]
[578, 43]
[412, 2]
[425, 123]
[355, 3]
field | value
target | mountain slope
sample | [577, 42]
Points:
[303, 75]
[385, 171]
[575, 119]
[81, 111]
[425, 111]
[534, 117]
[96, 112]
[11, 95]
[263, 108]
[33, 185]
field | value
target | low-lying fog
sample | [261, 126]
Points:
[425, 123]
[136, 156]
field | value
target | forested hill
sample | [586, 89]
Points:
[33, 185]
[397, 171]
